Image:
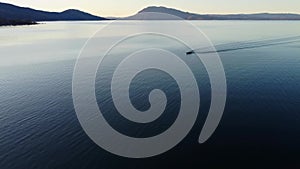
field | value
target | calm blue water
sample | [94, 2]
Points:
[39, 127]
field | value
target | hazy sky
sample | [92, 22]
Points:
[129, 7]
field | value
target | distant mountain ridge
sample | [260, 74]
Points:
[194, 16]
[12, 12]
[14, 15]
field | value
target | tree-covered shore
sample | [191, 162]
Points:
[14, 22]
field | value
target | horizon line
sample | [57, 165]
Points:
[109, 16]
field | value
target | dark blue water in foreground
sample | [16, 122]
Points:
[260, 127]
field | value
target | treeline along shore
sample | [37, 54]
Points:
[15, 22]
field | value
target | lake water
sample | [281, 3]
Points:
[260, 126]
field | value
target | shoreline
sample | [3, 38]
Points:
[5, 22]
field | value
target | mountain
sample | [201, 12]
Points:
[15, 15]
[145, 15]
[10, 12]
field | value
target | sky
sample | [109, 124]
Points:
[120, 8]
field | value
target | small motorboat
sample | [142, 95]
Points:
[190, 52]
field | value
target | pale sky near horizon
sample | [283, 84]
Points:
[120, 8]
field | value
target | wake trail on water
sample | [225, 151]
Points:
[245, 45]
